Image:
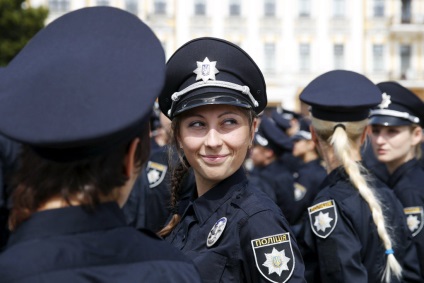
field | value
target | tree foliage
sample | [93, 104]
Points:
[18, 24]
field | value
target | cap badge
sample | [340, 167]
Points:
[216, 231]
[206, 70]
[385, 101]
[261, 140]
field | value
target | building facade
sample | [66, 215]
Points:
[293, 41]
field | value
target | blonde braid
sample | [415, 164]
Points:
[342, 146]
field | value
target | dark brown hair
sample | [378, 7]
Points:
[38, 180]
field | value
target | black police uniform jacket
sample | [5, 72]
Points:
[74, 245]
[255, 244]
[276, 180]
[407, 182]
[342, 240]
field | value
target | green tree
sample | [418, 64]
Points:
[18, 24]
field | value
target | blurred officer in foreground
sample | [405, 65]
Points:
[9, 151]
[82, 115]
[270, 174]
[396, 138]
[233, 233]
[352, 237]
[309, 175]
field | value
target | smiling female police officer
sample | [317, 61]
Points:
[357, 230]
[232, 232]
[78, 97]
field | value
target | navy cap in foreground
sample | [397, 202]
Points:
[341, 96]
[83, 84]
[211, 71]
[399, 106]
[271, 136]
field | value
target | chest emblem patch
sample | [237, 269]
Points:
[299, 191]
[414, 219]
[323, 218]
[155, 173]
[216, 231]
[274, 257]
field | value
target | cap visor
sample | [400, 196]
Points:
[212, 96]
[388, 121]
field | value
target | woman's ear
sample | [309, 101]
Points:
[253, 129]
[129, 160]
[417, 134]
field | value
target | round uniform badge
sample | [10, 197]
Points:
[216, 231]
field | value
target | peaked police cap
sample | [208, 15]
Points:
[83, 84]
[211, 71]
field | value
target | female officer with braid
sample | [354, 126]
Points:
[357, 231]
[233, 233]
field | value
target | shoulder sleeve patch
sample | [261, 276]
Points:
[274, 257]
[155, 173]
[323, 218]
[414, 219]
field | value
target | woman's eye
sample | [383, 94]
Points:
[393, 131]
[230, 122]
[195, 124]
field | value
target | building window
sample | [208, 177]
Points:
[406, 11]
[160, 7]
[378, 58]
[339, 8]
[338, 56]
[235, 8]
[304, 57]
[304, 8]
[269, 8]
[200, 7]
[405, 60]
[378, 8]
[131, 6]
[270, 52]
[102, 2]
[59, 6]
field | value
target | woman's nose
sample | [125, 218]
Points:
[213, 138]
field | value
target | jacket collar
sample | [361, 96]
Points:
[68, 220]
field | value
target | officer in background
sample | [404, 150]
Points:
[149, 204]
[357, 230]
[288, 121]
[82, 116]
[309, 175]
[270, 174]
[397, 125]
